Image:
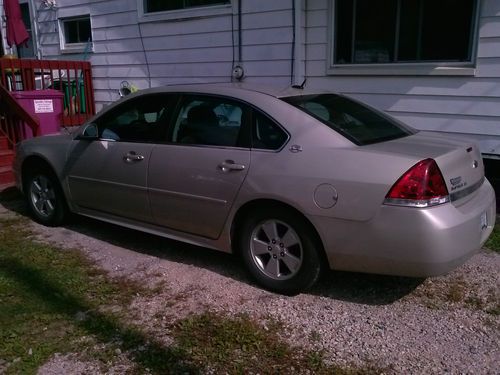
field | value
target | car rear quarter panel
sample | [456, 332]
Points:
[360, 178]
[410, 241]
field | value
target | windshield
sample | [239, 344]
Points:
[358, 123]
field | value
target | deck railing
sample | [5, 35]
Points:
[72, 78]
[14, 119]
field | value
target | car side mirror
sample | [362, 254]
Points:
[90, 133]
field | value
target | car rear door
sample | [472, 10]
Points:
[109, 174]
[195, 177]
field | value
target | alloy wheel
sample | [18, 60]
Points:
[276, 249]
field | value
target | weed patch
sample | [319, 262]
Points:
[493, 242]
[51, 298]
[239, 345]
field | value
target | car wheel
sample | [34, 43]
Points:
[45, 198]
[280, 251]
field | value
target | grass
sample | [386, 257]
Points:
[56, 301]
[239, 345]
[52, 298]
[493, 242]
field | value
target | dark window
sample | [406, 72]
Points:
[138, 120]
[399, 31]
[77, 30]
[266, 134]
[162, 5]
[358, 123]
[209, 121]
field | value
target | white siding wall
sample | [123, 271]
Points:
[178, 51]
[469, 104]
[201, 50]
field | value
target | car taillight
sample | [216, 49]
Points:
[421, 186]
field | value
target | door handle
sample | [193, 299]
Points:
[230, 165]
[132, 157]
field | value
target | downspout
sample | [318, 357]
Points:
[239, 33]
[36, 28]
[297, 62]
[238, 72]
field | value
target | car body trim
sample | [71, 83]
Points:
[108, 182]
[469, 190]
[190, 196]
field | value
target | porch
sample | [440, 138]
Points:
[39, 78]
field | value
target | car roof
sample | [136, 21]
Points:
[234, 89]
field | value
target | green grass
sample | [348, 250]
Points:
[50, 299]
[56, 301]
[493, 242]
[239, 346]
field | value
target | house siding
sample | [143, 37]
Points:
[463, 104]
[127, 46]
[199, 49]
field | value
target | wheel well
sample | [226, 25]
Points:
[248, 207]
[33, 163]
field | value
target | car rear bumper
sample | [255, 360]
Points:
[411, 241]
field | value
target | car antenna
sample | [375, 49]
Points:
[301, 86]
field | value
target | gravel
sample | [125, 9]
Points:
[438, 325]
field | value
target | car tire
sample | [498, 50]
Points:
[45, 198]
[280, 251]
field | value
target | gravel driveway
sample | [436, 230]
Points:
[438, 325]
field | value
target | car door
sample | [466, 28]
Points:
[195, 177]
[109, 173]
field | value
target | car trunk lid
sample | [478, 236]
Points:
[460, 161]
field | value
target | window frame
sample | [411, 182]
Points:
[74, 47]
[244, 135]
[121, 108]
[253, 125]
[185, 13]
[467, 68]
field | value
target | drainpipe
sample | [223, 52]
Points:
[297, 63]
[35, 27]
[238, 71]
[239, 32]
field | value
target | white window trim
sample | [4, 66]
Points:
[467, 68]
[67, 48]
[181, 14]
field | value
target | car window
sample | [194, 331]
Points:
[359, 123]
[266, 134]
[208, 121]
[139, 120]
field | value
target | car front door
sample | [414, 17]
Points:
[195, 177]
[109, 174]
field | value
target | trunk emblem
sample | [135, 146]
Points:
[455, 181]
[475, 164]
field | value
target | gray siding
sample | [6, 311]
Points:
[202, 49]
[178, 51]
[464, 104]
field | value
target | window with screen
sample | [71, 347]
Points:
[403, 31]
[151, 6]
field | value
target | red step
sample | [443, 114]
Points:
[6, 158]
[6, 176]
[4, 143]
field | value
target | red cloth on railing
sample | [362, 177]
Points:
[16, 30]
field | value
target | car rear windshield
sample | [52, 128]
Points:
[358, 123]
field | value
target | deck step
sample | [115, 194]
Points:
[6, 158]
[4, 143]
[6, 175]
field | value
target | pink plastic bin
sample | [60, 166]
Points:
[47, 105]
